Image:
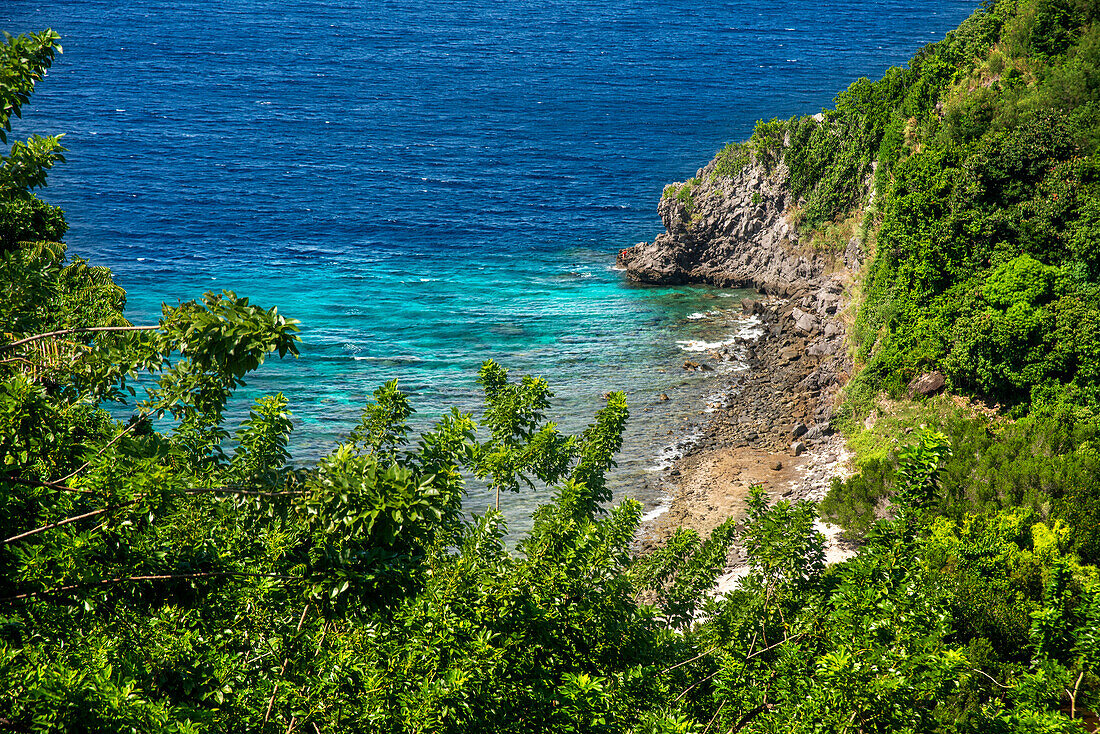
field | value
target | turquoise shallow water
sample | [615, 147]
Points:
[427, 184]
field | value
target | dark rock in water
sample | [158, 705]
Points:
[705, 368]
[927, 384]
[663, 397]
[799, 430]
[797, 448]
[691, 366]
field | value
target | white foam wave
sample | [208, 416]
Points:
[668, 455]
[698, 345]
[657, 511]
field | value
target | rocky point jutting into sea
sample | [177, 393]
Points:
[736, 231]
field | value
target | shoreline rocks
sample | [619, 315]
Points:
[776, 429]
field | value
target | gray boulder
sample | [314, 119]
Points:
[929, 383]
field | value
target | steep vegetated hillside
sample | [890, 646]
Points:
[975, 173]
[958, 198]
[172, 576]
[981, 215]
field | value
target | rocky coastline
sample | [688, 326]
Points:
[736, 231]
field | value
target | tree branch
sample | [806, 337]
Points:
[995, 681]
[99, 453]
[249, 492]
[749, 716]
[94, 513]
[692, 660]
[65, 332]
[282, 670]
[772, 647]
[66, 521]
[43, 483]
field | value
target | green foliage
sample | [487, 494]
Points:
[24, 218]
[857, 502]
[23, 60]
[161, 577]
[731, 160]
[678, 573]
[685, 194]
[984, 265]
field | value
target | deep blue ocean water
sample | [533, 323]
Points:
[427, 184]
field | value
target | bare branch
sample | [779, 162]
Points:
[42, 483]
[692, 660]
[249, 492]
[771, 647]
[94, 513]
[99, 453]
[282, 670]
[66, 521]
[711, 722]
[66, 332]
[995, 681]
[749, 716]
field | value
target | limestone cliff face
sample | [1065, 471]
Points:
[733, 231]
[726, 231]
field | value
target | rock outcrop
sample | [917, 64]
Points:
[734, 231]
[729, 232]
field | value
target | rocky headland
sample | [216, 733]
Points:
[737, 231]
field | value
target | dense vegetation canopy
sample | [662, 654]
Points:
[174, 573]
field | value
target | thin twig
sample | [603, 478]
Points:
[99, 453]
[987, 675]
[771, 647]
[233, 490]
[692, 660]
[94, 513]
[749, 716]
[44, 483]
[84, 330]
[698, 683]
[190, 490]
[282, 670]
[711, 722]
